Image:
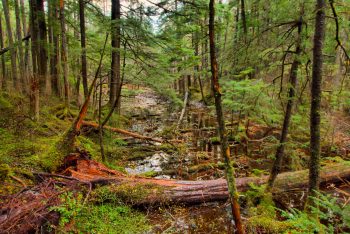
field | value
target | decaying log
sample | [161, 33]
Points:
[179, 191]
[122, 131]
[28, 210]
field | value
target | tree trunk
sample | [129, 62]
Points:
[225, 150]
[44, 79]
[83, 46]
[316, 92]
[244, 21]
[16, 83]
[54, 45]
[276, 167]
[26, 47]
[3, 80]
[64, 54]
[34, 81]
[19, 46]
[115, 65]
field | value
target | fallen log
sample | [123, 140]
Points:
[28, 210]
[159, 191]
[122, 131]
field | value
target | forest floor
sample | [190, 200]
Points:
[194, 156]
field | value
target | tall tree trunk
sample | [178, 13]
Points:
[244, 20]
[19, 46]
[225, 150]
[26, 47]
[83, 46]
[54, 45]
[3, 80]
[16, 83]
[64, 54]
[44, 79]
[34, 81]
[276, 167]
[316, 92]
[115, 66]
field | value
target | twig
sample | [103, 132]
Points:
[335, 17]
[18, 180]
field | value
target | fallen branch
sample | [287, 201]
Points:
[18, 180]
[183, 109]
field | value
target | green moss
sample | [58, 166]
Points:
[125, 193]
[77, 217]
[215, 140]
[4, 103]
[5, 171]
[202, 167]
[108, 218]
[258, 172]
[115, 167]
[265, 224]
[149, 174]
[89, 145]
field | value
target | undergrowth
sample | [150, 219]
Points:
[77, 217]
[327, 216]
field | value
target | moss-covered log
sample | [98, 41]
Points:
[181, 191]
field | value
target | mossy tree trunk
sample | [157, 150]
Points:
[225, 150]
[315, 113]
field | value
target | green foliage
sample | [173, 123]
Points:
[249, 98]
[107, 218]
[103, 218]
[70, 208]
[89, 145]
[328, 216]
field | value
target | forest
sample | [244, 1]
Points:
[174, 116]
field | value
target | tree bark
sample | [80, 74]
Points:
[19, 45]
[225, 150]
[316, 92]
[26, 58]
[54, 44]
[64, 54]
[3, 80]
[16, 83]
[83, 47]
[44, 79]
[115, 65]
[276, 167]
[244, 21]
[34, 81]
